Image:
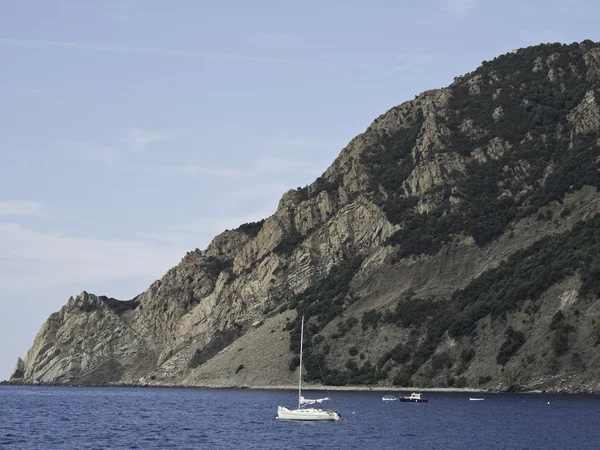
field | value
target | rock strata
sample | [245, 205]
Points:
[435, 194]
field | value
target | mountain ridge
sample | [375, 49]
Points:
[437, 191]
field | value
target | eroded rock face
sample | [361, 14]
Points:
[213, 319]
[592, 61]
[91, 340]
[586, 116]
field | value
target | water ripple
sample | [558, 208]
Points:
[121, 418]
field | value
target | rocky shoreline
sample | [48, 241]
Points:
[569, 390]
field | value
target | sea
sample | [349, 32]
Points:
[164, 418]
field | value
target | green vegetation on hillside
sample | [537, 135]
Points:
[561, 329]
[251, 228]
[320, 304]
[526, 113]
[215, 266]
[522, 278]
[514, 341]
[390, 162]
[290, 240]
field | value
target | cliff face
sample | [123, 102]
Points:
[391, 246]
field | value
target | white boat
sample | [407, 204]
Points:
[414, 398]
[303, 413]
[476, 399]
[312, 414]
[389, 398]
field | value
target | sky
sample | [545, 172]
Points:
[133, 131]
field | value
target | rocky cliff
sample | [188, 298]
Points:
[453, 243]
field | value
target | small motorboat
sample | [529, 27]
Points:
[414, 398]
[476, 399]
[389, 398]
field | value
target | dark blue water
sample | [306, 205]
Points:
[123, 418]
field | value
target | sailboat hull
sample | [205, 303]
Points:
[307, 414]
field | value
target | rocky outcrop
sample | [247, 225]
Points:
[19, 370]
[222, 316]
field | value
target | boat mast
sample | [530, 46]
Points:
[300, 373]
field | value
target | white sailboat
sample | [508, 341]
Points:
[302, 412]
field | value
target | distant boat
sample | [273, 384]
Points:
[414, 398]
[389, 398]
[302, 413]
[476, 399]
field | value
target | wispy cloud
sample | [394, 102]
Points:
[299, 143]
[21, 208]
[267, 194]
[459, 7]
[201, 231]
[407, 61]
[45, 260]
[196, 169]
[210, 55]
[45, 95]
[97, 152]
[527, 37]
[270, 164]
[137, 139]
[270, 39]
[262, 165]
[215, 226]
[121, 9]
[293, 149]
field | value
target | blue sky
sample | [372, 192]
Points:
[133, 131]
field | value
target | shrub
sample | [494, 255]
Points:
[294, 362]
[484, 379]
[514, 341]
[344, 326]
[289, 242]
[402, 379]
[577, 362]
[560, 340]
[214, 266]
[467, 354]
[252, 228]
[400, 354]
[461, 382]
[370, 319]
[441, 360]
